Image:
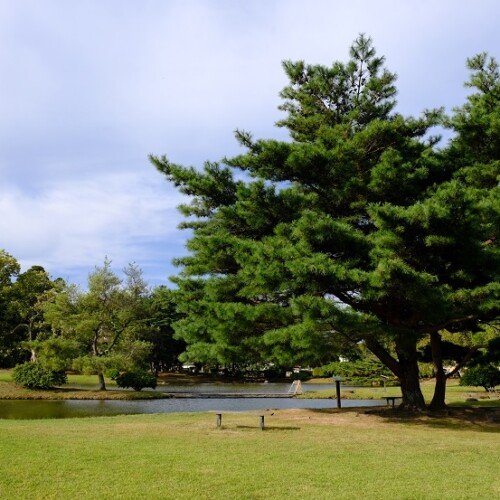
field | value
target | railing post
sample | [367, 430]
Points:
[337, 387]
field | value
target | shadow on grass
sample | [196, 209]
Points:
[269, 429]
[482, 419]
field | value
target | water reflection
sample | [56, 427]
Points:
[246, 388]
[35, 409]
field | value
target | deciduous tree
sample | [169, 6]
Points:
[9, 269]
[21, 312]
[166, 348]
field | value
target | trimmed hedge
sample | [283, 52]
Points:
[137, 379]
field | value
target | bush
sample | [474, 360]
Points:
[487, 376]
[302, 376]
[112, 373]
[34, 376]
[137, 379]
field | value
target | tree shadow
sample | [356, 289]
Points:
[269, 428]
[482, 419]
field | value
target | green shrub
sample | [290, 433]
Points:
[112, 373]
[34, 376]
[487, 376]
[302, 375]
[137, 379]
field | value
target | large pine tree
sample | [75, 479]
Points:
[358, 229]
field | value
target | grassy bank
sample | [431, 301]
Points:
[78, 387]
[301, 454]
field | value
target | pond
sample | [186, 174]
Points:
[35, 409]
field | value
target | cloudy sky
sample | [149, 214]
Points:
[88, 88]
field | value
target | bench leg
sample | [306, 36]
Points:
[390, 401]
[262, 422]
[218, 420]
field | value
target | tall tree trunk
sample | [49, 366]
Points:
[102, 383]
[438, 400]
[406, 349]
[405, 368]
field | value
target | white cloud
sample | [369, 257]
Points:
[88, 89]
[75, 223]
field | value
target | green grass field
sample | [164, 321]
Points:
[301, 454]
[319, 454]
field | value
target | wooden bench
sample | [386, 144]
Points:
[261, 415]
[392, 399]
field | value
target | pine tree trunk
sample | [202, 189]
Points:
[409, 375]
[438, 400]
[102, 383]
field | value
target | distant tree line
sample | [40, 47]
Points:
[114, 325]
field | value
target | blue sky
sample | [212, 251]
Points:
[89, 88]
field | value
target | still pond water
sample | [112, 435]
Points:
[34, 409]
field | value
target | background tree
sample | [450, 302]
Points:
[28, 294]
[166, 348]
[486, 376]
[21, 308]
[106, 321]
[9, 340]
[358, 229]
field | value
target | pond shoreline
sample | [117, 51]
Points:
[225, 395]
[170, 386]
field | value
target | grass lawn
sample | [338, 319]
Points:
[301, 454]
[319, 454]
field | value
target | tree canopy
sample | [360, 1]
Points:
[357, 229]
[22, 295]
[101, 328]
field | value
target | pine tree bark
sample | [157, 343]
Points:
[405, 369]
[413, 399]
[438, 400]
